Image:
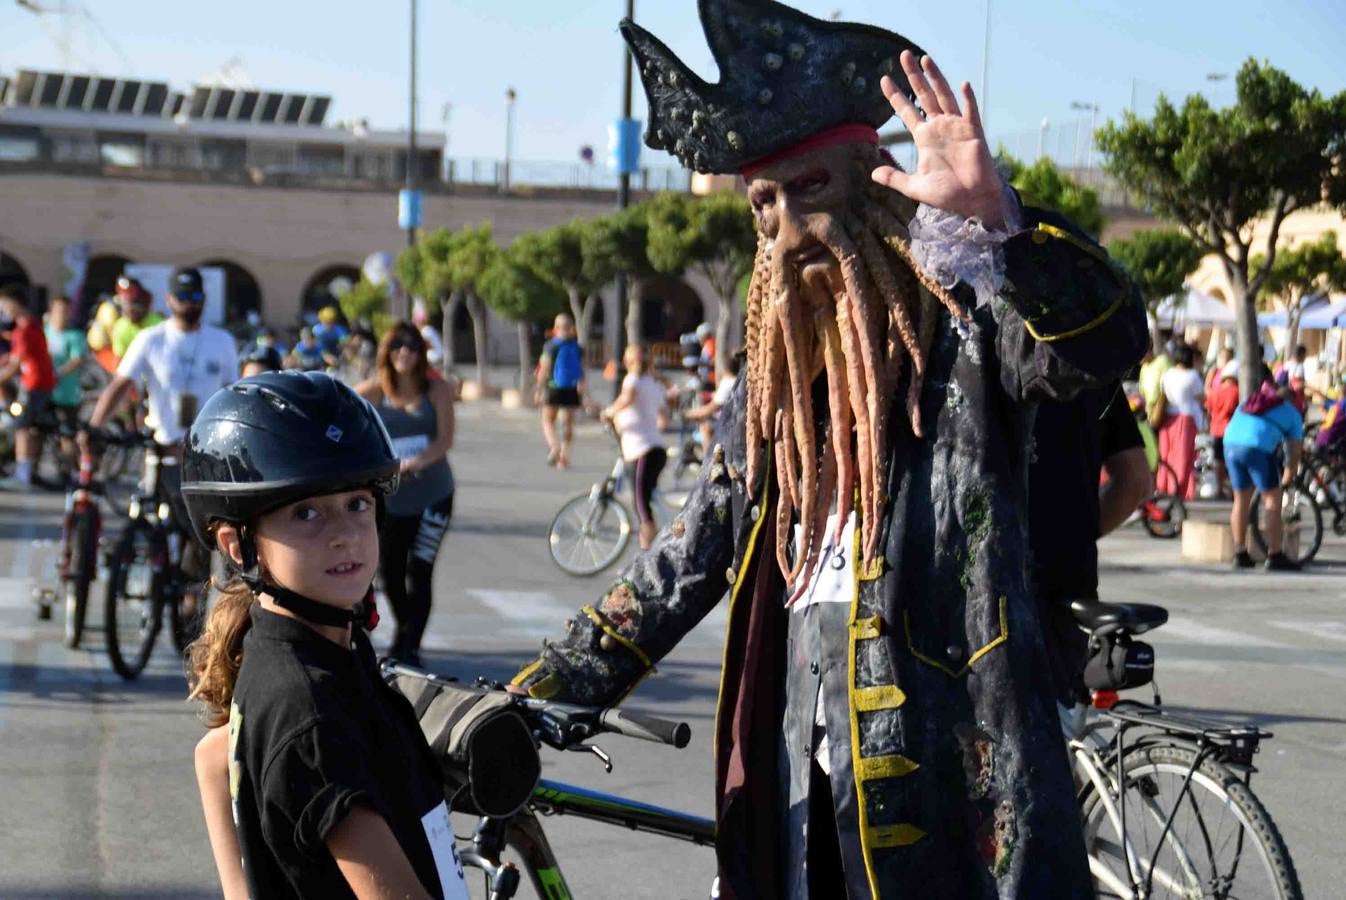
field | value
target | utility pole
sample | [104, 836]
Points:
[1092, 108]
[985, 65]
[510, 96]
[623, 201]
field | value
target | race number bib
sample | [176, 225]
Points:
[833, 577]
[410, 447]
[439, 833]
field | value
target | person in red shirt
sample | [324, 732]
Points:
[28, 358]
[1222, 400]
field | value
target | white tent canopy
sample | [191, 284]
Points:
[1193, 308]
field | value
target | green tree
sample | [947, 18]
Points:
[1215, 173]
[422, 269]
[621, 244]
[367, 302]
[1301, 273]
[713, 235]
[517, 291]
[449, 264]
[1045, 186]
[1158, 261]
[557, 254]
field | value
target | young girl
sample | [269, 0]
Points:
[638, 414]
[333, 789]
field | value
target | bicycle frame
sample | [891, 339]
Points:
[523, 832]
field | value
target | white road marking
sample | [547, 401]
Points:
[1197, 633]
[533, 614]
[1332, 631]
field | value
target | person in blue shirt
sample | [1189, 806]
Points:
[330, 334]
[1251, 451]
[560, 388]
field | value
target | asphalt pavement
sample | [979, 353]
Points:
[98, 798]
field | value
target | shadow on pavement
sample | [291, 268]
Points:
[72, 684]
[1242, 716]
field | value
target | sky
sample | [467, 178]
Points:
[564, 57]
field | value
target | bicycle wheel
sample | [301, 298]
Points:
[1163, 515]
[79, 576]
[132, 613]
[1221, 841]
[589, 534]
[1301, 523]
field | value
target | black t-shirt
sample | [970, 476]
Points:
[313, 732]
[1071, 441]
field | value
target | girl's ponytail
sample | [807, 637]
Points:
[215, 657]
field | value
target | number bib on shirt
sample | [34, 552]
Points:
[439, 833]
[833, 579]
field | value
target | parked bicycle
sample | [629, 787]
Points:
[1166, 800]
[145, 574]
[564, 727]
[592, 530]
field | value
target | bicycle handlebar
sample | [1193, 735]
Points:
[647, 728]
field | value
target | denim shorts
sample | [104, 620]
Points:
[1249, 467]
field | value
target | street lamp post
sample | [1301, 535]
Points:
[410, 210]
[623, 201]
[1042, 137]
[510, 96]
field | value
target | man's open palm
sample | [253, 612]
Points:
[954, 170]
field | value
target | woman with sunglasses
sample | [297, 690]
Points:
[417, 409]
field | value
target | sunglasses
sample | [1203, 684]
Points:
[193, 297]
[404, 344]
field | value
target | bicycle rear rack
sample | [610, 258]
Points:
[1236, 743]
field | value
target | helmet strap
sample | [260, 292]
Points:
[305, 608]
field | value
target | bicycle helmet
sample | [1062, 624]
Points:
[266, 355]
[273, 439]
[276, 438]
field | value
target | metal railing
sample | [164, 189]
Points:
[553, 174]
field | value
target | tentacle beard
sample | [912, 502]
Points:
[884, 315]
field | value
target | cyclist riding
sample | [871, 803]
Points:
[182, 362]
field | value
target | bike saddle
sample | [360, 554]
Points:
[1135, 618]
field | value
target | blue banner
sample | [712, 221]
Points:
[624, 146]
[408, 209]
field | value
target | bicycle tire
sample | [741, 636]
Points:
[185, 629]
[582, 524]
[139, 613]
[1305, 513]
[1162, 513]
[1143, 768]
[79, 577]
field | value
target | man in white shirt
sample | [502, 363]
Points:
[181, 361]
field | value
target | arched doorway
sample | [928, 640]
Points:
[670, 307]
[318, 292]
[242, 294]
[12, 271]
[100, 279]
[460, 333]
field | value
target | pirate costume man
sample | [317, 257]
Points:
[887, 724]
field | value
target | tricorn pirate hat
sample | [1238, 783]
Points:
[784, 76]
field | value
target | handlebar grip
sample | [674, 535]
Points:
[647, 728]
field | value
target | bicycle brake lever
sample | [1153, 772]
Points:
[596, 751]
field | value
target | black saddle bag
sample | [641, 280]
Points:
[484, 748]
[1117, 663]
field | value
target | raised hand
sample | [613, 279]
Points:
[954, 170]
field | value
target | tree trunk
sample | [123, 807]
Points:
[1248, 341]
[449, 309]
[477, 310]
[730, 312]
[635, 315]
[525, 333]
[1294, 312]
[584, 325]
[577, 312]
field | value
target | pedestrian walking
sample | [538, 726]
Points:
[417, 410]
[1252, 446]
[560, 389]
[1184, 416]
[639, 414]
